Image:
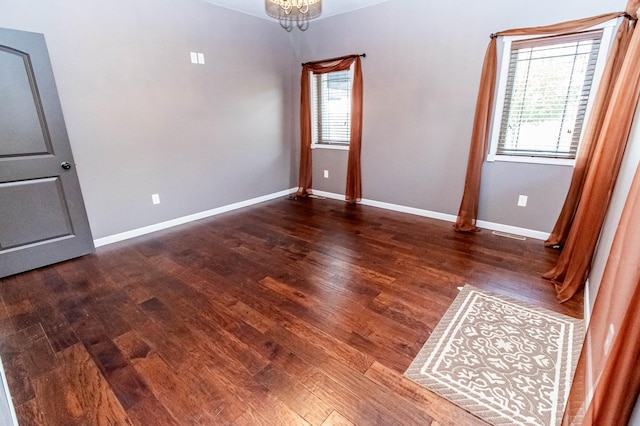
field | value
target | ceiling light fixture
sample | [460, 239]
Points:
[290, 12]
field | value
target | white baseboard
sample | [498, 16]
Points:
[389, 206]
[365, 202]
[530, 233]
[325, 194]
[7, 410]
[190, 218]
[409, 210]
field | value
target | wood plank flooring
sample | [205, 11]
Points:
[291, 312]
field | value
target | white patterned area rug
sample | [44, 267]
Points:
[505, 362]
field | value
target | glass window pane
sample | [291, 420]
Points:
[331, 99]
[548, 87]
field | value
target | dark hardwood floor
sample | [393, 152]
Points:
[289, 312]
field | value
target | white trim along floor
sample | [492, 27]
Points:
[365, 202]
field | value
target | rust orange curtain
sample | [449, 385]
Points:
[574, 263]
[468, 213]
[353, 191]
[558, 236]
[609, 365]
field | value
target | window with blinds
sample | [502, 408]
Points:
[548, 86]
[331, 107]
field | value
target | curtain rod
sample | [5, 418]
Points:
[364, 55]
[621, 15]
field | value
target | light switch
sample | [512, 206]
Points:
[201, 58]
[194, 58]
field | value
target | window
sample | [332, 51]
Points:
[545, 89]
[331, 109]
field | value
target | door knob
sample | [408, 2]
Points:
[66, 165]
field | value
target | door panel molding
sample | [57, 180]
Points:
[12, 106]
[42, 215]
[40, 208]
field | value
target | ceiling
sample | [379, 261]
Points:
[329, 7]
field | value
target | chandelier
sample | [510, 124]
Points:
[293, 12]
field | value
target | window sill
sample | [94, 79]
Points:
[327, 146]
[531, 160]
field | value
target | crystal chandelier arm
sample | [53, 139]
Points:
[288, 11]
[302, 23]
[288, 5]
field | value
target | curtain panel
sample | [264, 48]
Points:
[468, 212]
[606, 384]
[571, 272]
[353, 192]
[592, 131]
[611, 371]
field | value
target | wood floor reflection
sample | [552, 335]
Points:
[288, 312]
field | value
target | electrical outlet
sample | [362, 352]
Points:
[326, 174]
[197, 58]
[155, 198]
[522, 201]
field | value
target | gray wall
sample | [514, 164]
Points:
[142, 119]
[335, 162]
[421, 78]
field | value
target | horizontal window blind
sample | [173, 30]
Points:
[548, 87]
[331, 100]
